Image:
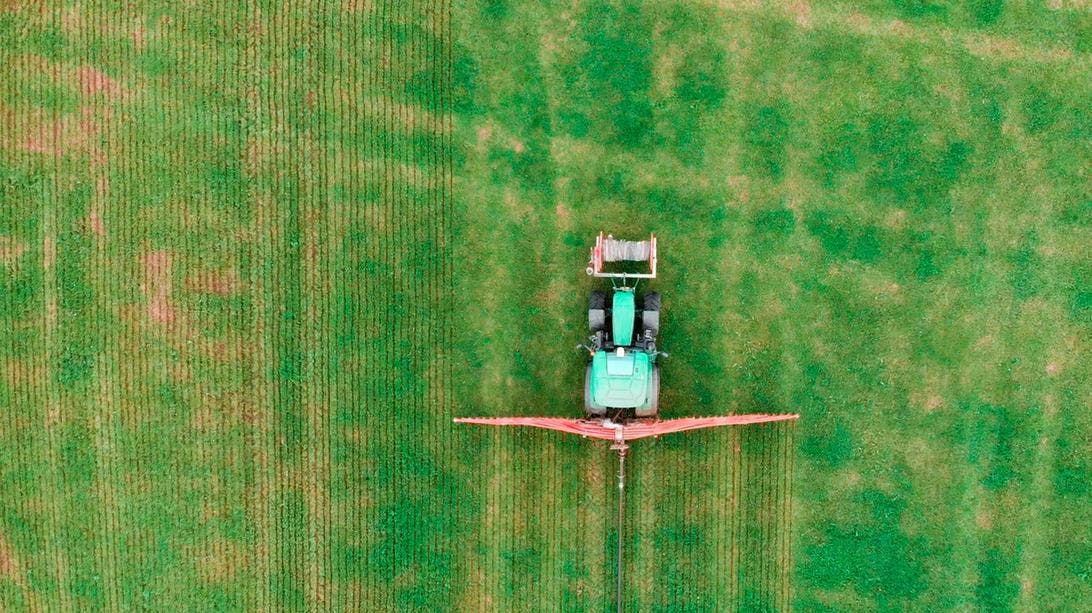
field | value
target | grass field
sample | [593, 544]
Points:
[255, 256]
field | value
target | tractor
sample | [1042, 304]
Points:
[622, 378]
[622, 381]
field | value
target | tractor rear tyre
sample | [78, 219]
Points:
[653, 407]
[589, 405]
[650, 314]
[597, 312]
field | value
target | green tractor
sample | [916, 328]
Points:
[623, 378]
[622, 383]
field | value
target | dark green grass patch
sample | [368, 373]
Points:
[871, 553]
[615, 72]
[767, 130]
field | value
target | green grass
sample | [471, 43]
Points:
[247, 280]
[875, 226]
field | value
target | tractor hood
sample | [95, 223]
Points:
[620, 382]
[624, 310]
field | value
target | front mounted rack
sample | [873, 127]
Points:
[609, 249]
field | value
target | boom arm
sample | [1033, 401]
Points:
[609, 431]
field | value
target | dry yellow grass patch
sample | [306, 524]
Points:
[94, 82]
[983, 519]
[66, 135]
[84, 79]
[741, 187]
[401, 172]
[260, 150]
[138, 35]
[408, 116]
[895, 219]
[484, 133]
[8, 567]
[357, 6]
[220, 561]
[219, 282]
[11, 569]
[664, 71]
[1070, 5]
[517, 207]
[564, 215]
[18, 373]
[95, 216]
[157, 286]
[11, 249]
[982, 45]
[993, 47]
[801, 11]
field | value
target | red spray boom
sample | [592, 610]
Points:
[625, 431]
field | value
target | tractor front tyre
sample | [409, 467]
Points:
[590, 407]
[653, 405]
[652, 301]
[597, 312]
[650, 314]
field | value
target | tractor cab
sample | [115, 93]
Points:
[623, 376]
[620, 379]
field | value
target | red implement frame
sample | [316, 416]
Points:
[630, 431]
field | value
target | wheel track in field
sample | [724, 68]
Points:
[257, 495]
[107, 421]
[17, 429]
[316, 377]
[52, 408]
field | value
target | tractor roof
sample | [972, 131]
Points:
[620, 381]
